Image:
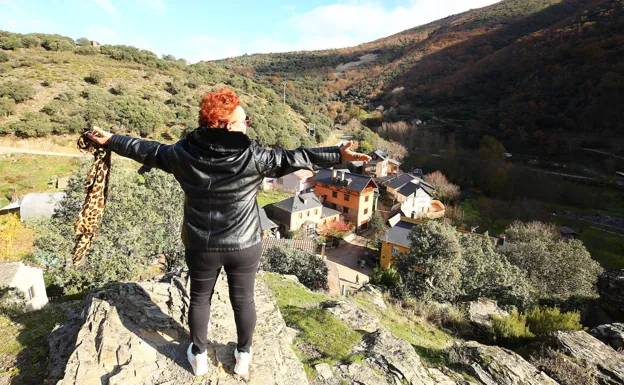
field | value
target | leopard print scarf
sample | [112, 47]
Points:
[92, 210]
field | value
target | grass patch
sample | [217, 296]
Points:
[322, 337]
[24, 173]
[268, 197]
[23, 337]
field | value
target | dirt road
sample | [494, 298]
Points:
[13, 150]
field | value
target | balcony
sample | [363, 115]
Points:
[436, 210]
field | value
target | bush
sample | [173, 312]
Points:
[565, 370]
[4, 57]
[95, 77]
[12, 301]
[548, 320]
[87, 50]
[512, 328]
[388, 278]
[7, 107]
[308, 268]
[120, 89]
[17, 90]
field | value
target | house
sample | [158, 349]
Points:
[94, 43]
[415, 200]
[34, 205]
[28, 280]
[304, 210]
[396, 240]
[394, 183]
[352, 194]
[299, 182]
[269, 228]
[381, 165]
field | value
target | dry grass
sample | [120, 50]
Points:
[566, 370]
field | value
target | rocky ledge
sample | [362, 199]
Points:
[136, 333]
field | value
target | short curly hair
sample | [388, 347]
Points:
[216, 107]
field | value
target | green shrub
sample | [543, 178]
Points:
[87, 50]
[11, 43]
[308, 268]
[95, 77]
[4, 57]
[7, 106]
[17, 90]
[389, 277]
[512, 328]
[542, 322]
[12, 301]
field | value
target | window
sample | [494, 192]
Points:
[300, 215]
[345, 210]
[31, 292]
[308, 213]
[395, 250]
[315, 211]
[334, 194]
[366, 199]
[346, 197]
[365, 211]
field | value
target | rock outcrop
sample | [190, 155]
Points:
[611, 290]
[493, 365]
[610, 334]
[583, 346]
[480, 313]
[135, 333]
[352, 316]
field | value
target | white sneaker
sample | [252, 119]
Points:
[243, 360]
[199, 362]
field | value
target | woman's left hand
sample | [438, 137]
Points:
[99, 136]
[346, 155]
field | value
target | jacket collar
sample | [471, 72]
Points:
[209, 140]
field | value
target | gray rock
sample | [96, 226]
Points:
[480, 312]
[324, 371]
[611, 334]
[493, 365]
[583, 346]
[611, 290]
[362, 374]
[352, 316]
[394, 356]
[135, 334]
[374, 295]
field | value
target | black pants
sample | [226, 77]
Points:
[241, 267]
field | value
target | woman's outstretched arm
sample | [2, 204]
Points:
[279, 162]
[148, 152]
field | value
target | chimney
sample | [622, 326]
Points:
[303, 200]
[342, 176]
[334, 174]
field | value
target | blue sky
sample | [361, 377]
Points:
[206, 30]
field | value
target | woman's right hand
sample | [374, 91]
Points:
[99, 136]
[347, 155]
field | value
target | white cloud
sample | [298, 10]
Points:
[107, 6]
[157, 6]
[205, 47]
[338, 25]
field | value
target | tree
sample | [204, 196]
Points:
[17, 90]
[557, 268]
[4, 57]
[432, 267]
[310, 270]
[15, 239]
[7, 107]
[83, 41]
[491, 149]
[95, 77]
[141, 220]
[445, 190]
[378, 224]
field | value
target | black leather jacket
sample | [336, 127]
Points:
[220, 172]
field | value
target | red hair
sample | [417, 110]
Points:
[216, 108]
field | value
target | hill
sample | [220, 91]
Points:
[540, 75]
[50, 85]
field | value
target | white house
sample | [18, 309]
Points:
[28, 280]
[299, 182]
[34, 205]
[415, 198]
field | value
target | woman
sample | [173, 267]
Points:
[220, 170]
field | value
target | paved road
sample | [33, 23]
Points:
[12, 150]
[346, 257]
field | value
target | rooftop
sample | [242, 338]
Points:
[413, 186]
[299, 203]
[399, 181]
[353, 182]
[265, 222]
[398, 234]
[7, 272]
[301, 244]
[327, 212]
[36, 204]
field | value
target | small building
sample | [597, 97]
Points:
[269, 228]
[302, 210]
[28, 280]
[568, 233]
[94, 43]
[416, 200]
[299, 182]
[34, 205]
[396, 240]
[352, 194]
[381, 165]
[394, 183]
